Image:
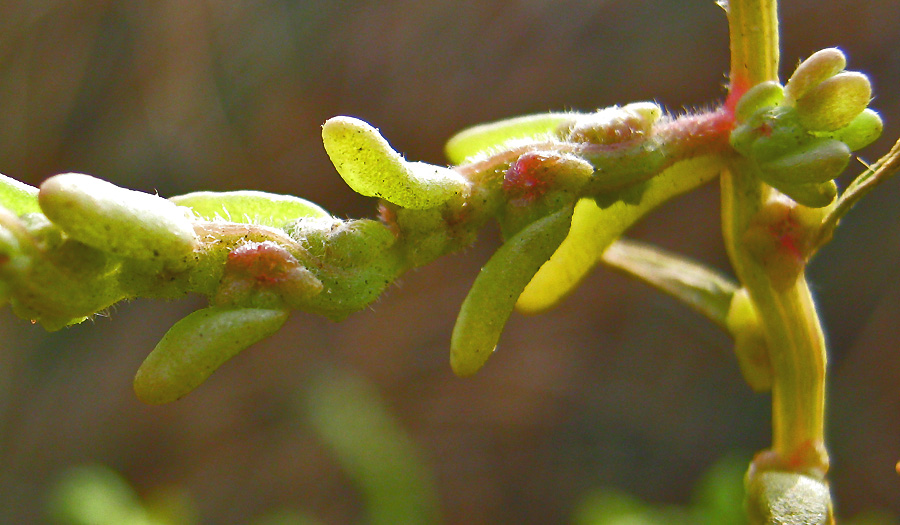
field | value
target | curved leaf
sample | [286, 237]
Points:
[493, 295]
[370, 166]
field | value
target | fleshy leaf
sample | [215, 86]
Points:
[860, 132]
[247, 206]
[615, 124]
[493, 295]
[478, 139]
[370, 166]
[820, 160]
[18, 197]
[199, 344]
[811, 194]
[750, 344]
[117, 220]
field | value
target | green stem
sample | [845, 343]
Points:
[753, 28]
[793, 332]
[782, 298]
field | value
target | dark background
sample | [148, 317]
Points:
[620, 386]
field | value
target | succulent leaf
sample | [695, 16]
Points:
[252, 207]
[199, 344]
[370, 166]
[117, 220]
[762, 95]
[478, 139]
[494, 293]
[820, 160]
[18, 197]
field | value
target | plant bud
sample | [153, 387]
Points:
[199, 344]
[819, 67]
[483, 138]
[616, 124]
[770, 134]
[249, 207]
[494, 293]
[818, 161]
[762, 95]
[117, 220]
[18, 197]
[835, 102]
[863, 130]
[369, 165]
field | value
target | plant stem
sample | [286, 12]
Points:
[782, 298]
[753, 32]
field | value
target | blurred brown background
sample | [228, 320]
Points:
[618, 387]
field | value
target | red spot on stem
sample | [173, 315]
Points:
[265, 262]
[526, 178]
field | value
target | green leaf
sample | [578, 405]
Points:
[493, 295]
[18, 197]
[750, 344]
[250, 207]
[117, 220]
[615, 124]
[706, 291]
[370, 166]
[811, 194]
[199, 344]
[485, 137]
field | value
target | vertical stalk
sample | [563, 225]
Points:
[753, 28]
[785, 305]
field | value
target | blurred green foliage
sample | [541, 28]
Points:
[344, 410]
